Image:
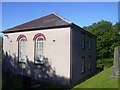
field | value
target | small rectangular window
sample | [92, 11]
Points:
[89, 62]
[83, 64]
[90, 42]
[82, 40]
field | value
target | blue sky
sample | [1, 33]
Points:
[81, 13]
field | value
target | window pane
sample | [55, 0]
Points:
[39, 49]
[83, 40]
[89, 62]
[22, 46]
[90, 43]
[82, 64]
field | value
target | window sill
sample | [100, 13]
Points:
[82, 72]
[39, 63]
[89, 48]
[22, 62]
[83, 48]
[89, 68]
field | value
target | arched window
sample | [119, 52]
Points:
[21, 48]
[39, 48]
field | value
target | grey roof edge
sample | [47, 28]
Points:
[62, 18]
[74, 25]
[62, 26]
[42, 28]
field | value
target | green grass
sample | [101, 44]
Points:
[101, 80]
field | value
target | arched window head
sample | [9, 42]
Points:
[39, 48]
[38, 35]
[21, 36]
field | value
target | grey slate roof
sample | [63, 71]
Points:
[49, 21]
[46, 22]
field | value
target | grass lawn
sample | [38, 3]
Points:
[101, 80]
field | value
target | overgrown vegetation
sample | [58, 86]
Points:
[107, 62]
[108, 37]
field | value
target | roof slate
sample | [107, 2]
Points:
[51, 20]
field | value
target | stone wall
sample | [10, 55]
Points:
[116, 64]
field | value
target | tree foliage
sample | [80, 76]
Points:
[108, 37]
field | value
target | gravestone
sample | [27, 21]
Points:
[116, 64]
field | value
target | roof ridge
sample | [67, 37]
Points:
[62, 18]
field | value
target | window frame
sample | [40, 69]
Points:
[90, 62]
[82, 64]
[39, 35]
[83, 40]
[20, 37]
[90, 43]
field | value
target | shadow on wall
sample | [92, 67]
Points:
[42, 73]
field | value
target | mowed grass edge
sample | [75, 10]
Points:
[101, 80]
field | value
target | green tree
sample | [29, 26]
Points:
[107, 37]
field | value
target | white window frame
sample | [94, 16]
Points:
[22, 50]
[39, 46]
